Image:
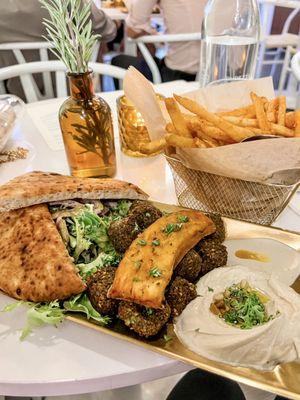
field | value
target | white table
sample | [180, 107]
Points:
[73, 359]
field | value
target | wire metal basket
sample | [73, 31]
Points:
[233, 198]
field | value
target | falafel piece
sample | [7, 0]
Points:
[97, 288]
[144, 321]
[213, 253]
[122, 233]
[180, 294]
[190, 266]
[220, 233]
[144, 213]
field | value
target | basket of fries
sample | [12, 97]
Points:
[233, 149]
[215, 193]
[234, 198]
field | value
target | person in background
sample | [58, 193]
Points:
[202, 385]
[21, 21]
[180, 16]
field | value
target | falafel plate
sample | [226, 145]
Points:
[98, 247]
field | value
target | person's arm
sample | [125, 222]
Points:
[138, 21]
[103, 24]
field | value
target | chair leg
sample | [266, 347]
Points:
[276, 59]
[2, 91]
[261, 55]
[284, 71]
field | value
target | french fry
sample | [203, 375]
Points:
[203, 136]
[263, 122]
[153, 146]
[275, 130]
[239, 112]
[270, 109]
[258, 131]
[236, 133]
[281, 130]
[281, 111]
[177, 118]
[202, 127]
[246, 122]
[297, 123]
[181, 141]
[251, 115]
[290, 120]
[170, 128]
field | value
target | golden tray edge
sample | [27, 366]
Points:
[282, 380]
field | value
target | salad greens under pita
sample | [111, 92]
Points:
[83, 228]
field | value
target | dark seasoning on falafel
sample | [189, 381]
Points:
[208, 254]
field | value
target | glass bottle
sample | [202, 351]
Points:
[86, 125]
[230, 32]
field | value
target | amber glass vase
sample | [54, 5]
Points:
[86, 125]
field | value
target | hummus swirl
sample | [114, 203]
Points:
[263, 346]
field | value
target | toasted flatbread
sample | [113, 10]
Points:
[42, 187]
[34, 262]
[145, 270]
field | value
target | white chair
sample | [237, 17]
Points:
[155, 39]
[25, 70]
[295, 66]
[273, 45]
[42, 48]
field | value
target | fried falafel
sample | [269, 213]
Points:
[190, 266]
[180, 294]
[145, 214]
[213, 255]
[220, 233]
[97, 288]
[144, 321]
[123, 232]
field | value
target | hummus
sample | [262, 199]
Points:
[261, 347]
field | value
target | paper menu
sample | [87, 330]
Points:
[46, 120]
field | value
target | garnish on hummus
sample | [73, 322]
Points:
[241, 306]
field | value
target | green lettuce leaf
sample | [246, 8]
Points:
[39, 314]
[81, 303]
[122, 208]
[85, 270]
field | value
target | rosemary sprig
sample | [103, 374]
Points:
[69, 31]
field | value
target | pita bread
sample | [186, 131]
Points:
[42, 187]
[34, 262]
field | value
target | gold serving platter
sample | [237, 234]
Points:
[283, 380]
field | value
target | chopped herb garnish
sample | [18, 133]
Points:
[149, 311]
[138, 264]
[210, 289]
[142, 242]
[172, 228]
[156, 242]
[135, 279]
[167, 338]
[183, 218]
[242, 306]
[155, 272]
[136, 227]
